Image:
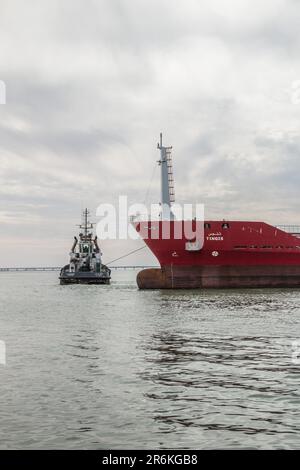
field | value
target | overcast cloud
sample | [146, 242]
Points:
[91, 83]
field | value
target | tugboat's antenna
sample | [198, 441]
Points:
[85, 221]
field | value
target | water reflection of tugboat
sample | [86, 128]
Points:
[85, 265]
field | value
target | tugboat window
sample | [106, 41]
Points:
[206, 225]
[225, 225]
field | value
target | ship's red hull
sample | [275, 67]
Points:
[234, 254]
[218, 277]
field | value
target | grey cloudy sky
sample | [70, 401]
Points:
[91, 83]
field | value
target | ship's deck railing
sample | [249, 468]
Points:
[293, 229]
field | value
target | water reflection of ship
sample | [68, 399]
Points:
[85, 266]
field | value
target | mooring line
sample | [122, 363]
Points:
[124, 256]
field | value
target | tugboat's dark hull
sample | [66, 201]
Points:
[84, 277]
[80, 280]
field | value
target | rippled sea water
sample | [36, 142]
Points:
[108, 367]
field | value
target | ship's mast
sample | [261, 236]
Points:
[167, 180]
[86, 225]
[85, 221]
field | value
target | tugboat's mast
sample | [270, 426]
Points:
[86, 225]
[85, 221]
[167, 180]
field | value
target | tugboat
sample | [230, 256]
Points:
[85, 265]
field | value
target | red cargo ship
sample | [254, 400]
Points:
[234, 253]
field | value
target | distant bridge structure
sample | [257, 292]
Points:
[58, 268]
